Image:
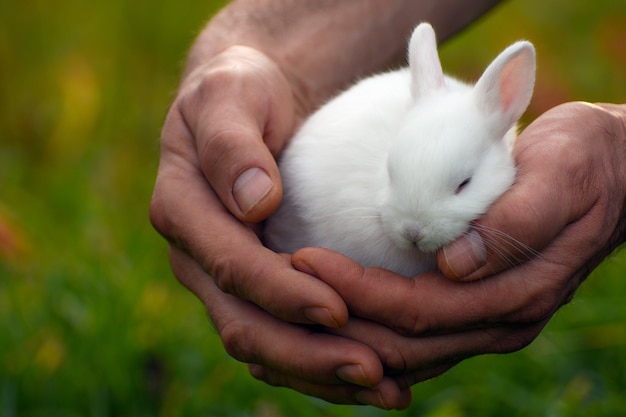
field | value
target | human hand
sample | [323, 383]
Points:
[216, 177]
[217, 172]
[536, 244]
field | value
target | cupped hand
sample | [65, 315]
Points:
[303, 358]
[217, 177]
[569, 196]
[536, 245]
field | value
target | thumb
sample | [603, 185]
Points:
[236, 163]
[244, 174]
[240, 111]
[516, 227]
[506, 236]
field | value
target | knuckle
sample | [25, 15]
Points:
[258, 372]
[209, 83]
[236, 340]
[415, 324]
[221, 153]
[202, 84]
[222, 268]
[269, 376]
[580, 167]
[158, 214]
[394, 359]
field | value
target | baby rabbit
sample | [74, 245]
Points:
[401, 163]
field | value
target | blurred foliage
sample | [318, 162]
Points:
[91, 320]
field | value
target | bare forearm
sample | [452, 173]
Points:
[324, 44]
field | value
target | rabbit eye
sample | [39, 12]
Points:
[462, 185]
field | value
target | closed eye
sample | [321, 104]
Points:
[462, 185]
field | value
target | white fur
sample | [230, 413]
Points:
[374, 174]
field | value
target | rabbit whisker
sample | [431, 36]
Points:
[510, 250]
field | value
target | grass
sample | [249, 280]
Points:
[92, 323]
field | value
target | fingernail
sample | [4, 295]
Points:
[250, 188]
[371, 397]
[302, 266]
[321, 315]
[353, 374]
[465, 255]
[257, 371]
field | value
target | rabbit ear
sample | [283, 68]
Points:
[506, 86]
[426, 73]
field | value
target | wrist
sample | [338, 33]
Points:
[322, 47]
[233, 33]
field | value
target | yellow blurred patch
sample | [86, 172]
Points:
[153, 301]
[50, 354]
[80, 106]
[578, 390]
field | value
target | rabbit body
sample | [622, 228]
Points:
[401, 163]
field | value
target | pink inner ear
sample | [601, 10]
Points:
[515, 79]
[506, 85]
[507, 89]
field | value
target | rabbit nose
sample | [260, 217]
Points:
[413, 234]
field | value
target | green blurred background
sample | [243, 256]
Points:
[92, 322]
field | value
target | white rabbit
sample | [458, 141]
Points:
[401, 163]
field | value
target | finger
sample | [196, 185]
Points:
[428, 304]
[556, 185]
[410, 379]
[251, 335]
[186, 211]
[387, 395]
[240, 111]
[416, 359]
